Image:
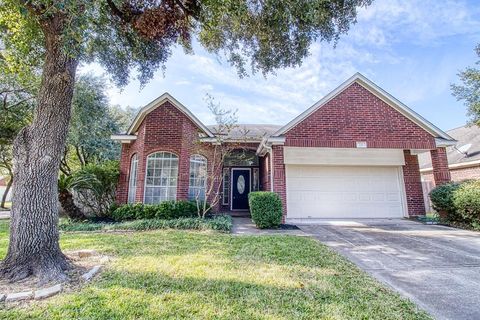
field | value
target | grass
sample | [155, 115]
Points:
[172, 274]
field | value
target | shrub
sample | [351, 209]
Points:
[217, 223]
[128, 212]
[164, 210]
[442, 200]
[265, 208]
[466, 199]
[96, 195]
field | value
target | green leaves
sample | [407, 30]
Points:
[137, 35]
[469, 90]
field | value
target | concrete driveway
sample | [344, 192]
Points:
[437, 267]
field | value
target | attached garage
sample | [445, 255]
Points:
[330, 183]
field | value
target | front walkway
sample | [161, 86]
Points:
[437, 267]
[245, 226]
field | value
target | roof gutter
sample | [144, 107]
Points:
[123, 138]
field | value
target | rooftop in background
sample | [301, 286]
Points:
[249, 131]
[467, 148]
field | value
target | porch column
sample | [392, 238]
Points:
[122, 186]
[413, 185]
[279, 183]
[441, 173]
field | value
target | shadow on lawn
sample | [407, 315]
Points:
[147, 295]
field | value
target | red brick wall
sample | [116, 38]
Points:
[465, 173]
[413, 185]
[441, 174]
[279, 181]
[265, 172]
[163, 129]
[457, 174]
[168, 129]
[358, 115]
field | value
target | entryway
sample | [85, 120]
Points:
[240, 187]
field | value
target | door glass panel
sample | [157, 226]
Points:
[241, 184]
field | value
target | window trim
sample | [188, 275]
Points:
[133, 160]
[146, 173]
[226, 170]
[205, 162]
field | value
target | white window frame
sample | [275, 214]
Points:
[226, 186]
[132, 179]
[161, 172]
[197, 160]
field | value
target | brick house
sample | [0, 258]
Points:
[463, 157]
[353, 154]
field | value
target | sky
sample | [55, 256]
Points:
[413, 49]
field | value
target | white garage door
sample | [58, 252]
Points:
[343, 192]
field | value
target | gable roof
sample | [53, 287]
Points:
[250, 132]
[158, 102]
[381, 94]
[465, 152]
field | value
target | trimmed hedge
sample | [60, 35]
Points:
[217, 223]
[265, 208]
[466, 200]
[458, 203]
[442, 200]
[164, 210]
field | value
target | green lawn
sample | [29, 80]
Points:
[171, 274]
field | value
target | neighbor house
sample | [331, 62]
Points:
[463, 157]
[353, 154]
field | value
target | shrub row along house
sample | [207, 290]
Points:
[353, 154]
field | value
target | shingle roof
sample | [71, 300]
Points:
[465, 150]
[248, 131]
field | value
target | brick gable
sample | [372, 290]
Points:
[164, 129]
[356, 114]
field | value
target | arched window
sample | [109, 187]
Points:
[132, 180]
[161, 177]
[198, 177]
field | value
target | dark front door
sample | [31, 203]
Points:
[240, 188]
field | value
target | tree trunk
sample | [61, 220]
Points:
[7, 190]
[68, 205]
[34, 249]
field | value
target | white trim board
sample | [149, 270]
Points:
[381, 94]
[461, 165]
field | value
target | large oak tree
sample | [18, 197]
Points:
[56, 35]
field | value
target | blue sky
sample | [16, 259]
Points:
[412, 48]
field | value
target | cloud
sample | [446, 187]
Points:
[384, 42]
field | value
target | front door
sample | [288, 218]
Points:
[240, 188]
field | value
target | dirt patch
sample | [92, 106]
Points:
[82, 261]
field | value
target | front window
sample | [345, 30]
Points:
[132, 181]
[161, 177]
[226, 186]
[198, 177]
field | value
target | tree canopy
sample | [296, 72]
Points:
[52, 37]
[139, 34]
[469, 90]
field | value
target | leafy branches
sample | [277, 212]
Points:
[469, 90]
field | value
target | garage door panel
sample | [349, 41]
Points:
[343, 192]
